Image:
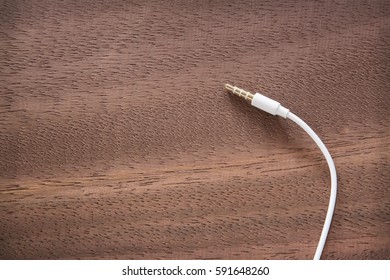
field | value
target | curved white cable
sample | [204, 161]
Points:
[274, 108]
[333, 181]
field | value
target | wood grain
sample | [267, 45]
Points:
[118, 142]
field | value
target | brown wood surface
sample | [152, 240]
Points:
[118, 140]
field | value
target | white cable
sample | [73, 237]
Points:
[273, 107]
[333, 181]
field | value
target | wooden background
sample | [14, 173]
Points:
[118, 140]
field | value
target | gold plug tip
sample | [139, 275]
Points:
[239, 92]
[229, 88]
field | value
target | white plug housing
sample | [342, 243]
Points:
[269, 105]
